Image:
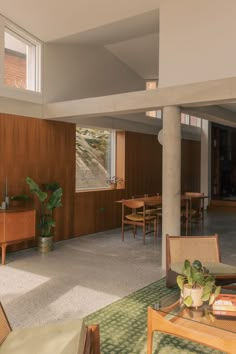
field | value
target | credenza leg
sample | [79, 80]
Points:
[4, 246]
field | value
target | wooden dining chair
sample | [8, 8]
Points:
[195, 210]
[134, 213]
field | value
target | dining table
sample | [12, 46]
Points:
[186, 206]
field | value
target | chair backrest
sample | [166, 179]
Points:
[196, 200]
[5, 327]
[133, 204]
[153, 200]
[203, 248]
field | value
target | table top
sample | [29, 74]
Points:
[158, 198]
[173, 310]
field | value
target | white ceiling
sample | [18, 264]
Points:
[49, 20]
[129, 29]
[140, 54]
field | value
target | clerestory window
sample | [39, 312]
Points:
[22, 62]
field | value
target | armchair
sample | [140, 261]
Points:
[205, 249]
[67, 337]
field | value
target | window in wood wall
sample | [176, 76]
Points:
[97, 158]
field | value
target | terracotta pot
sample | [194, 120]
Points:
[195, 294]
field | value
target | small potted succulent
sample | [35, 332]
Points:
[114, 181]
[197, 285]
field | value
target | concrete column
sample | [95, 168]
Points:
[171, 174]
[205, 153]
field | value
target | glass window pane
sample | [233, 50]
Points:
[21, 61]
[152, 85]
[15, 62]
[195, 121]
[94, 157]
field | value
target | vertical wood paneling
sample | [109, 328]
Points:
[45, 151]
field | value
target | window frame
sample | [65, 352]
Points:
[117, 168]
[19, 92]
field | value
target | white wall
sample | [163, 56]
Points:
[73, 72]
[197, 41]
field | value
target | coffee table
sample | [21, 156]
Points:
[198, 325]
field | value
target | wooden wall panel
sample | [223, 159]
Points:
[45, 151]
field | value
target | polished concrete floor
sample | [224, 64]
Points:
[84, 274]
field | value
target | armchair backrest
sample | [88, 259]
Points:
[203, 248]
[5, 327]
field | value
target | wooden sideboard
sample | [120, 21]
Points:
[16, 225]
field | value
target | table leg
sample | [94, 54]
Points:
[149, 332]
[4, 246]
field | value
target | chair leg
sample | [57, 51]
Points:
[122, 231]
[134, 230]
[155, 228]
[144, 233]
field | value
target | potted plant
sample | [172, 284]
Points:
[114, 181]
[197, 285]
[50, 198]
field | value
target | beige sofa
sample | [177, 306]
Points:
[65, 337]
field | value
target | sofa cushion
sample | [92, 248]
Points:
[67, 337]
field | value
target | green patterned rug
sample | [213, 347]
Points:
[123, 325]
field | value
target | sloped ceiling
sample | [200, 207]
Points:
[140, 54]
[54, 19]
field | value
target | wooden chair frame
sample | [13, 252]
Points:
[194, 213]
[92, 341]
[203, 248]
[142, 221]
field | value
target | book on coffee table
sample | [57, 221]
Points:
[225, 302]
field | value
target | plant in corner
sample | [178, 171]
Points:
[50, 198]
[197, 285]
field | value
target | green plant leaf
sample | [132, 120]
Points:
[34, 188]
[197, 277]
[180, 281]
[217, 290]
[188, 301]
[55, 199]
[197, 264]
[206, 295]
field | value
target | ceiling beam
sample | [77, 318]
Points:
[191, 95]
[214, 114]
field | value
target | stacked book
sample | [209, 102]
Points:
[225, 305]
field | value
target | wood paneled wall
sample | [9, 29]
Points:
[98, 211]
[45, 151]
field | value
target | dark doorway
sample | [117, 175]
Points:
[223, 172]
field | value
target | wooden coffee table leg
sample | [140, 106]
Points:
[149, 332]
